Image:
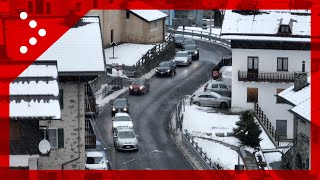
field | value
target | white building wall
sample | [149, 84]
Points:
[266, 91]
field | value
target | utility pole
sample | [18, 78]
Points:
[210, 22]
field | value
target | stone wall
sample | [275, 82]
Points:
[69, 121]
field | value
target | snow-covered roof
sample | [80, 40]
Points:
[149, 15]
[80, 49]
[34, 94]
[265, 23]
[300, 99]
[94, 154]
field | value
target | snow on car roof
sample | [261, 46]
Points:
[95, 154]
[207, 93]
[121, 114]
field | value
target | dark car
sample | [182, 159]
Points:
[120, 105]
[178, 39]
[139, 86]
[188, 42]
[193, 50]
[167, 68]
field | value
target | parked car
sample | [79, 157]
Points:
[218, 87]
[125, 139]
[193, 50]
[167, 68]
[96, 159]
[204, 26]
[121, 120]
[183, 58]
[210, 99]
[178, 39]
[188, 42]
[120, 105]
[139, 86]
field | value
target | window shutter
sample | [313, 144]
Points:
[61, 98]
[60, 138]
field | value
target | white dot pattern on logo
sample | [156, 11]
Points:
[33, 23]
[23, 15]
[33, 41]
[42, 32]
[23, 49]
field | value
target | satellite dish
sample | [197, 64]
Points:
[44, 146]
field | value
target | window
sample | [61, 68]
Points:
[282, 64]
[280, 100]
[253, 63]
[223, 86]
[95, 4]
[211, 97]
[61, 98]
[30, 7]
[214, 86]
[203, 96]
[284, 29]
[78, 6]
[48, 8]
[252, 95]
[281, 128]
[55, 136]
[127, 14]
[39, 6]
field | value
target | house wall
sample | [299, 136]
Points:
[111, 20]
[302, 126]
[69, 121]
[266, 91]
[140, 31]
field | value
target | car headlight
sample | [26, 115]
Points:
[113, 109]
[157, 70]
[125, 109]
[141, 87]
[168, 70]
[196, 52]
[130, 87]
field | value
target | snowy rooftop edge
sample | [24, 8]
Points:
[150, 15]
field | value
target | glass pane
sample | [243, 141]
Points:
[279, 68]
[223, 86]
[255, 63]
[250, 63]
[214, 86]
[53, 137]
[285, 64]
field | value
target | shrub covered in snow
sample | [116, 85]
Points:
[248, 130]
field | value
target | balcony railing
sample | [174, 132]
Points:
[275, 77]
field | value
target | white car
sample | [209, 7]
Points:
[96, 159]
[121, 120]
[183, 58]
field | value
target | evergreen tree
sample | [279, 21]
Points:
[248, 130]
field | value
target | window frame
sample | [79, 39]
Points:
[282, 60]
[250, 98]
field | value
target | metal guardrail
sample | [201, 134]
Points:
[203, 35]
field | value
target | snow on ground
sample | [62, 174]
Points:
[272, 157]
[103, 101]
[215, 150]
[127, 53]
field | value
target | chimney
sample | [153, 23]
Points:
[300, 81]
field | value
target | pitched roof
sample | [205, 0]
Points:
[264, 25]
[300, 99]
[149, 15]
[80, 49]
[34, 94]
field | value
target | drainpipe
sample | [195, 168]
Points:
[78, 127]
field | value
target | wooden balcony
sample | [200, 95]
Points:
[275, 77]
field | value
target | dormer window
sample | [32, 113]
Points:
[284, 29]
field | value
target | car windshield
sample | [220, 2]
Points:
[191, 47]
[178, 38]
[181, 54]
[189, 42]
[94, 160]
[122, 118]
[137, 81]
[164, 64]
[120, 102]
[126, 134]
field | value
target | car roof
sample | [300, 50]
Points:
[182, 52]
[121, 114]
[95, 154]
[207, 93]
[215, 82]
[124, 129]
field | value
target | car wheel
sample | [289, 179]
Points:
[172, 73]
[197, 103]
[223, 105]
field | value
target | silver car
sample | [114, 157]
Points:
[210, 99]
[96, 159]
[183, 58]
[121, 120]
[125, 139]
[218, 87]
